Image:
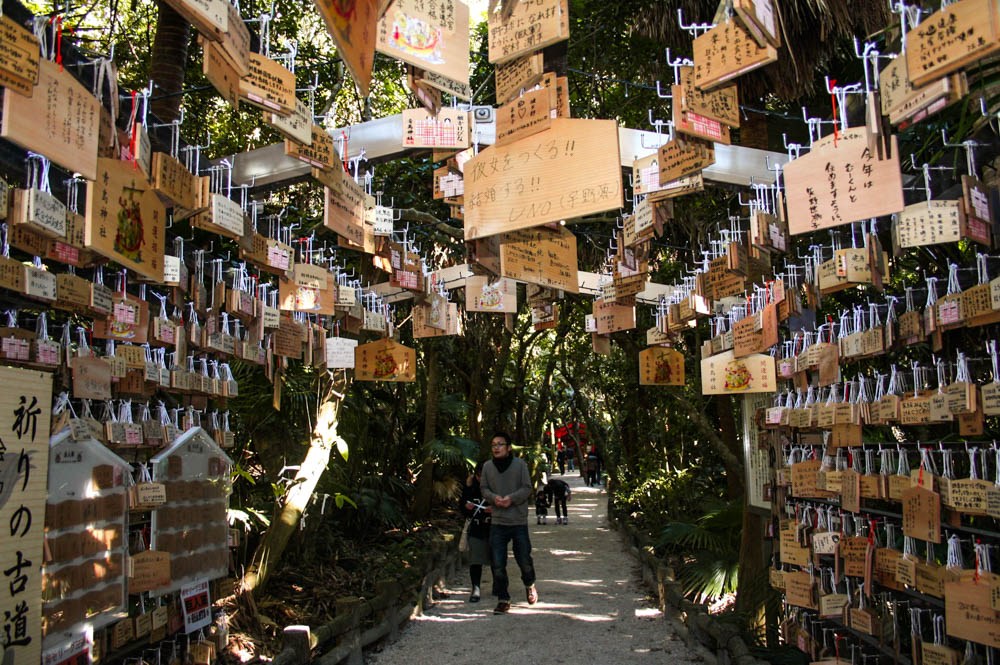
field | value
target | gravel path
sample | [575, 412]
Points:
[592, 607]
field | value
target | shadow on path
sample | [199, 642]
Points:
[592, 607]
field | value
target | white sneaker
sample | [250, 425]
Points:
[474, 598]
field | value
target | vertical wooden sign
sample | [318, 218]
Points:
[660, 366]
[24, 418]
[431, 36]
[951, 38]
[353, 26]
[530, 27]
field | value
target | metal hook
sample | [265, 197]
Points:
[695, 29]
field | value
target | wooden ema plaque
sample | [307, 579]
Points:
[725, 52]
[211, 17]
[969, 614]
[660, 366]
[18, 57]
[125, 219]
[484, 295]
[268, 85]
[760, 19]
[60, 123]
[952, 38]
[528, 114]
[684, 156]
[928, 223]
[297, 126]
[24, 414]
[353, 27]
[841, 181]
[345, 203]
[568, 171]
[541, 256]
[531, 26]
[902, 101]
[724, 374]
[448, 129]
[612, 317]
[220, 72]
[318, 152]
[516, 75]
[721, 104]
[385, 360]
[173, 182]
[431, 36]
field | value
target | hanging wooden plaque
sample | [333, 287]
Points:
[841, 181]
[501, 197]
[928, 223]
[220, 72]
[725, 52]
[721, 104]
[724, 374]
[516, 75]
[318, 152]
[211, 17]
[530, 27]
[922, 514]
[952, 38]
[269, 85]
[978, 211]
[541, 256]
[297, 126]
[969, 614]
[431, 36]
[660, 366]
[385, 360]
[448, 129]
[345, 204]
[901, 100]
[684, 156]
[353, 26]
[61, 123]
[760, 18]
[523, 116]
[172, 181]
[435, 81]
[483, 295]
[613, 317]
[125, 219]
[18, 57]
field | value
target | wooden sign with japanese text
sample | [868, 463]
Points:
[531, 26]
[516, 75]
[724, 374]
[760, 18]
[928, 223]
[568, 171]
[297, 126]
[235, 41]
[450, 325]
[172, 181]
[385, 360]
[841, 181]
[922, 514]
[353, 26]
[684, 156]
[60, 122]
[345, 204]
[431, 36]
[18, 57]
[613, 317]
[269, 85]
[968, 610]
[448, 129]
[24, 416]
[646, 174]
[211, 17]
[525, 115]
[725, 52]
[484, 295]
[721, 104]
[952, 38]
[220, 72]
[660, 366]
[541, 256]
[318, 153]
[978, 211]
[901, 100]
[125, 219]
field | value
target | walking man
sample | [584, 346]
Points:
[506, 486]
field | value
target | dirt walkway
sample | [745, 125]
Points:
[592, 607]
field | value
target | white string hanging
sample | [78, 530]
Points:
[955, 561]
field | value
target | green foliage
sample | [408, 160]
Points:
[708, 550]
[656, 496]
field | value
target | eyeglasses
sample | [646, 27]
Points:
[499, 445]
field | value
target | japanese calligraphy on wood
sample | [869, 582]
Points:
[525, 115]
[125, 219]
[516, 75]
[841, 181]
[541, 256]
[385, 360]
[721, 104]
[24, 419]
[725, 52]
[435, 40]
[533, 25]
[352, 25]
[684, 156]
[659, 366]
[269, 85]
[760, 19]
[951, 38]
[61, 122]
[18, 57]
[568, 171]
[345, 204]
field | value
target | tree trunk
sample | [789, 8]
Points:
[169, 58]
[423, 493]
[286, 520]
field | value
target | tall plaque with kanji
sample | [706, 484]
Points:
[24, 460]
[385, 360]
[659, 366]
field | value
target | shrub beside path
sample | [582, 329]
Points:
[592, 607]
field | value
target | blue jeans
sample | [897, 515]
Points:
[500, 535]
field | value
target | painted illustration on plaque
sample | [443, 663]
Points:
[385, 365]
[129, 234]
[416, 37]
[738, 376]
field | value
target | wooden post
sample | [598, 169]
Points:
[299, 639]
[352, 637]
